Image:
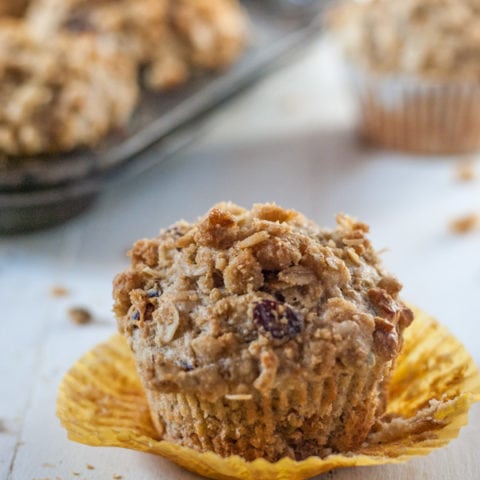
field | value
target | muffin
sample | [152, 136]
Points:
[167, 39]
[135, 27]
[14, 8]
[259, 334]
[59, 94]
[203, 35]
[415, 68]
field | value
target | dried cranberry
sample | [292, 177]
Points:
[277, 319]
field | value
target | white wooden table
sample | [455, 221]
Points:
[289, 140]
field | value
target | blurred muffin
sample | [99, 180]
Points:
[257, 333]
[13, 8]
[59, 94]
[135, 27]
[203, 35]
[169, 38]
[415, 66]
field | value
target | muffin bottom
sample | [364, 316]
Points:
[313, 419]
[419, 116]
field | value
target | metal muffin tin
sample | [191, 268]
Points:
[46, 190]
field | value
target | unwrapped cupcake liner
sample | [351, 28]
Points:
[101, 402]
[419, 115]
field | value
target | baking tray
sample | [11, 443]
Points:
[45, 190]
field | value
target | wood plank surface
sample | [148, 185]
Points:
[291, 140]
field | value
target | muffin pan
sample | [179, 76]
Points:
[42, 191]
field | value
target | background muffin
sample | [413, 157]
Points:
[169, 39]
[415, 66]
[13, 8]
[59, 94]
[259, 334]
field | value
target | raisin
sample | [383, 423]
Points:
[147, 314]
[79, 22]
[185, 365]
[277, 319]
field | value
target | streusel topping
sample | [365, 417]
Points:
[170, 39]
[433, 38]
[60, 93]
[247, 301]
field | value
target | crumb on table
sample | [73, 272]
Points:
[79, 316]
[464, 223]
[59, 291]
[90, 467]
[465, 170]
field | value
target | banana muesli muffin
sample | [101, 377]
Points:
[59, 94]
[258, 333]
[415, 66]
[167, 38]
[14, 8]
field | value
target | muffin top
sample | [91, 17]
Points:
[136, 27]
[15, 8]
[59, 93]
[437, 39]
[243, 302]
[169, 38]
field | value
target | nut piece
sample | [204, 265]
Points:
[385, 338]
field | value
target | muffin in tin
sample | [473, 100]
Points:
[61, 93]
[168, 39]
[13, 8]
[259, 334]
[415, 68]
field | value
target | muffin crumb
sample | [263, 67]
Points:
[90, 467]
[80, 315]
[464, 224]
[465, 170]
[59, 291]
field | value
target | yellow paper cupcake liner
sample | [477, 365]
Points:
[102, 403]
